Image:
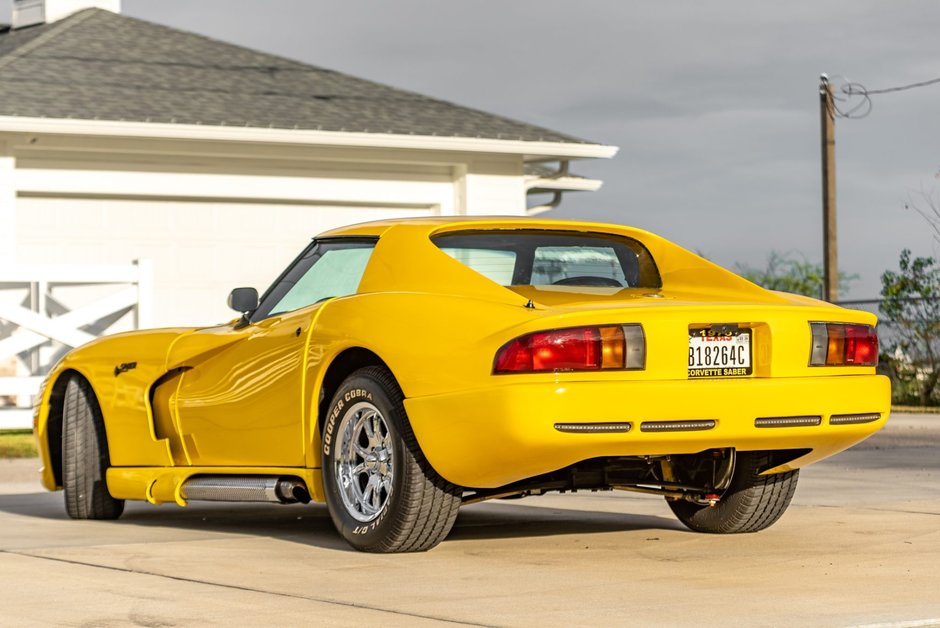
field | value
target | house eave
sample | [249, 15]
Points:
[564, 184]
[532, 150]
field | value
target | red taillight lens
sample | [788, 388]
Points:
[838, 344]
[574, 349]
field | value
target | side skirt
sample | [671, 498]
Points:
[162, 485]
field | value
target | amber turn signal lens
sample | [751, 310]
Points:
[612, 347]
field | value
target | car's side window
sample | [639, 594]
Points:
[495, 265]
[331, 268]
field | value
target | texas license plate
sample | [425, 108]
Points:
[720, 351]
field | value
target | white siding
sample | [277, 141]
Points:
[224, 216]
[7, 207]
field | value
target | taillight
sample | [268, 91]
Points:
[574, 349]
[839, 344]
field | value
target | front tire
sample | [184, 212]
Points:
[383, 495]
[85, 458]
[751, 503]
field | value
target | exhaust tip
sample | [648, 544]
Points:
[292, 490]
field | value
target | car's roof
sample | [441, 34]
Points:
[429, 224]
[408, 261]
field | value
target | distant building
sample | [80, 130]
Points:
[121, 140]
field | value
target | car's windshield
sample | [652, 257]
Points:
[540, 258]
[328, 268]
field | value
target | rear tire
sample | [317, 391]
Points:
[382, 493]
[751, 502]
[85, 458]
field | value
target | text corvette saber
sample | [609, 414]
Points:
[398, 369]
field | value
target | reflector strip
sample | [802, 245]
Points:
[636, 347]
[820, 344]
[853, 419]
[676, 426]
[788, 421]
[589, 428]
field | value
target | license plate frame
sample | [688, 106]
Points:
[720, 350]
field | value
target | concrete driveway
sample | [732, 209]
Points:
[859, 546]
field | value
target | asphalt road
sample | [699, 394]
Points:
[860, 546]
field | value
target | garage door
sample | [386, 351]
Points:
[199, 250]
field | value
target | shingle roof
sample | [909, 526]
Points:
[97, 65]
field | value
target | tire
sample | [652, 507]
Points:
[85, 458]
[751, 502]
[382, 493]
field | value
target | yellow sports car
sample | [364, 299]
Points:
[399, 369]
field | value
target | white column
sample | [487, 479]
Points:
[7, 207]
[144, 317]
[460, 191]
[494, 187]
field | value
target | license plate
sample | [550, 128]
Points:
[720, 351]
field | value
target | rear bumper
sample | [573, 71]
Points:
[492, 437]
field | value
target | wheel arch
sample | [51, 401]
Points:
[343, 365]
[54, 421]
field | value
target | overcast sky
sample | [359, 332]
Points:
[713, 104]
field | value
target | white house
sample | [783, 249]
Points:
[123, 140]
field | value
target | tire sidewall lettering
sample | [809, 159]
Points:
[330, 427]
[346, 397]
[339, 403]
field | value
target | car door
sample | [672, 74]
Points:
[240, 401]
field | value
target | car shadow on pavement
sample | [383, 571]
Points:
[496, 520]
[311, 524]
[298, 523]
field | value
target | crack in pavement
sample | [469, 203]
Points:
[869, 508]
[236, 587]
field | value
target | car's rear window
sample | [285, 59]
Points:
[540, 258]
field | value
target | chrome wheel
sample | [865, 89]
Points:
[382, 494]
[364, 464]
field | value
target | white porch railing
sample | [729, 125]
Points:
[43, 315]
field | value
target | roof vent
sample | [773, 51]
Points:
[32, 12]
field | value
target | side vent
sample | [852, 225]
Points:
[235, 488]
[593, 428]
[677, 426]
[853, 419]
[788, 421]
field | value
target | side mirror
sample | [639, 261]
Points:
[243, 300]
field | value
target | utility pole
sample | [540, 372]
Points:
[827, 121]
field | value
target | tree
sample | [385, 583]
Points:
[925, 203]
[787, 274]
[911, 301]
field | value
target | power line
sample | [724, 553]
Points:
[845, 104]
[902, 88]
[887, 300]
